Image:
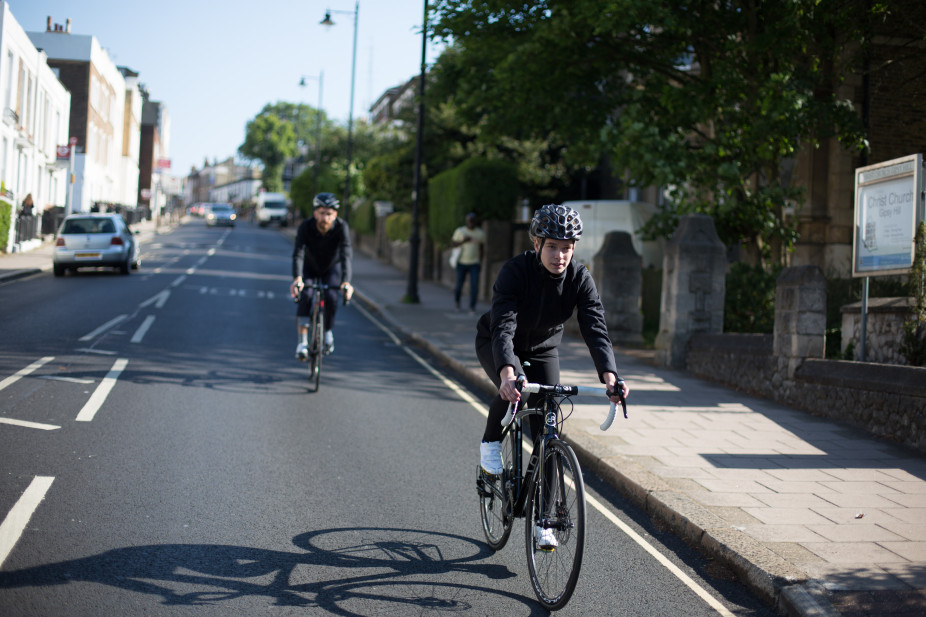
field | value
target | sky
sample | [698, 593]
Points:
[216, 64]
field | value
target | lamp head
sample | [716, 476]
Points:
[327, 20]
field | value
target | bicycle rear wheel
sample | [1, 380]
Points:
[560, 506]
[496, 498]
[317, 347]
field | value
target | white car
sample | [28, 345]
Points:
[95, 240]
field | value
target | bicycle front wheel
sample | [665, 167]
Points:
[317, 348]
[496, 499]
[559, 506]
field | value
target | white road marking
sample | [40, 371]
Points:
[159, 299]
[106, 326]
[18, 517]
[178, 280]
[67, 379]
[27, 424]
[142, 329]
[98, 351]
[26, 371]
[633, 535]
[102, 391]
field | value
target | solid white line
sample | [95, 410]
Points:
[67, 379]
[102, 391]
[633, 535]
[142, 329]
[15, 522]
[27, 424]
[26, 371]
[106, 326]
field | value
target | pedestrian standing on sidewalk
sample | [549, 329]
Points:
[534, 295]
[471, 242]
[322, 252]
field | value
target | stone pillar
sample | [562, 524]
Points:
[619, 273]
[693, 286]
[800, 317]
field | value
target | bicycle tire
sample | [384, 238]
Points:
[554, 573]
[495, 500]
[316, 348]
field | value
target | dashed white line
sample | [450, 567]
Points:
[142, 329]
[102, 391]
[26, 371]
[106, 326]
[178, 280]
[15, 522]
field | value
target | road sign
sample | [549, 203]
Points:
[63, 153]
[72, 141]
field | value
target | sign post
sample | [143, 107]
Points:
[889, 201]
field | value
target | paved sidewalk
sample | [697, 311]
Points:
[817, 518]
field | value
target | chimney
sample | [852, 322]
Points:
[48, 24]
[67, 28]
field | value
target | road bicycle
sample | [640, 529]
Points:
[316, 337]
[550, 494]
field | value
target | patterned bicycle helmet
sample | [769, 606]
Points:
[326, 200]
[557, 222]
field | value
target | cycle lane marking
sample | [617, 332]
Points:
[689, 582]
[142, 329]
[28, 424]
[9, 381]
[106, 326]
[18, 517]
[102, 391]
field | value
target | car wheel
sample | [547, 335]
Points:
[59, 270]
[126, 267]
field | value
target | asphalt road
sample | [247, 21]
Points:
[161, 454]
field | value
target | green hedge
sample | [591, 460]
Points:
[6, 219]
[749, 301]
[399, 226]
[487, 187]
[363, 218]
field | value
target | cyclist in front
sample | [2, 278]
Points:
[322, 252]
[534, 294]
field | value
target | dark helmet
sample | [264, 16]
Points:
[326, 200]
[557, 222]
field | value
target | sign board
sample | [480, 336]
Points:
[72, 141]
[146, 193]
[163, 163]
[63, 152]
[888, 205]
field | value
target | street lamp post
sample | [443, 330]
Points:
[414, 240]
[350, 115]
[318, 127]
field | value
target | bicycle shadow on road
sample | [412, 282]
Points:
[387, 568]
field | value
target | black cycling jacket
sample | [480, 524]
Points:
[530, 306]
[315, 254]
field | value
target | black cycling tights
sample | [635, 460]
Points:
[544, 368]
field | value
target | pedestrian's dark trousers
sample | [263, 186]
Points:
[462, 271]
[544, 368]
[332, 279]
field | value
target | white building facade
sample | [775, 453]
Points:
[36, 113]
[97, 120]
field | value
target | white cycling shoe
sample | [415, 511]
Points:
[329, 342]
[491, 457]
[546, 539]
[302, 352]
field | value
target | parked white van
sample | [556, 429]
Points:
[601, 216]
[271, 208]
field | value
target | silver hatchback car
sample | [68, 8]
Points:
[95, 240]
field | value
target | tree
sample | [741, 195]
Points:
[269, 139]
[707, 99]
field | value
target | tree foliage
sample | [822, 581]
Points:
[709, 99]
[270, 139]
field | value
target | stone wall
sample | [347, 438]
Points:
[884, 329]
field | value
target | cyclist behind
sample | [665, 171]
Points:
[322, 252]
[534, 294]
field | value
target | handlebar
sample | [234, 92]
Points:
[561, 390]
[320, 287]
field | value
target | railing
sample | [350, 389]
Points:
[27, 228]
